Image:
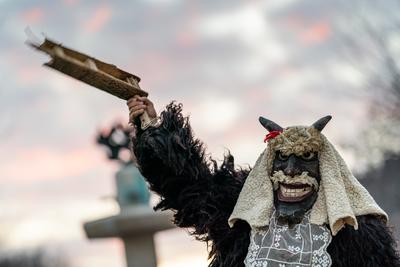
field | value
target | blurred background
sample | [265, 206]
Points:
[228, 62]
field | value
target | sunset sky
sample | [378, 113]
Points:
[228, 62]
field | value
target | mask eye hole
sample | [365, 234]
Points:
[282, 156]
[308, 155]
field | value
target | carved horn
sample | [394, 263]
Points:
[321, 123]
[269, 125]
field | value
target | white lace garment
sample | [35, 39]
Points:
[277, 245]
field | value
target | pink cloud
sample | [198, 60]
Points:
[316, 33]
[155, 69]
[97, 21]
[256, 95]
[295, 22]
[71, 2]
[186, 39]
[28, 75]
[27, 72]
[42, 163]
[33, 15]
[309, 32]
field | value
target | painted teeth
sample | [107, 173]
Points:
[294, 192]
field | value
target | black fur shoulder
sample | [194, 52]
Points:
[372, 245]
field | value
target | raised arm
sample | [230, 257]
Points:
[176, 166]
[173, 162]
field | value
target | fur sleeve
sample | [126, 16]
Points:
[174, 163]
[371, 245]
[170, 158]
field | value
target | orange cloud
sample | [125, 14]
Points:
[100, 17]
[33, 15]
[316, 33]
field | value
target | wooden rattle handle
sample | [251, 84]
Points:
[144, 118]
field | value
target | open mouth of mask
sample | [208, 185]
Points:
[293, 189]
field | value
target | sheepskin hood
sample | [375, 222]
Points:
[340, 197]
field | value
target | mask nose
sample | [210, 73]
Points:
[292, 168]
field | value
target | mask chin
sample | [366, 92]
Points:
[293, 212]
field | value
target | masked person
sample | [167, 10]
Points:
[298, 206]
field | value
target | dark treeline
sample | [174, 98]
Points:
[36, 258]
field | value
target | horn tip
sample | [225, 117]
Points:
[321, 123]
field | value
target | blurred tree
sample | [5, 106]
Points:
[372, 43]
[37, 258]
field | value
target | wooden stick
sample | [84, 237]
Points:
[104, 76]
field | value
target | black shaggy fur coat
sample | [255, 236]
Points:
[203, 195]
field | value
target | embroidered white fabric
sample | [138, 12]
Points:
[277, 245]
